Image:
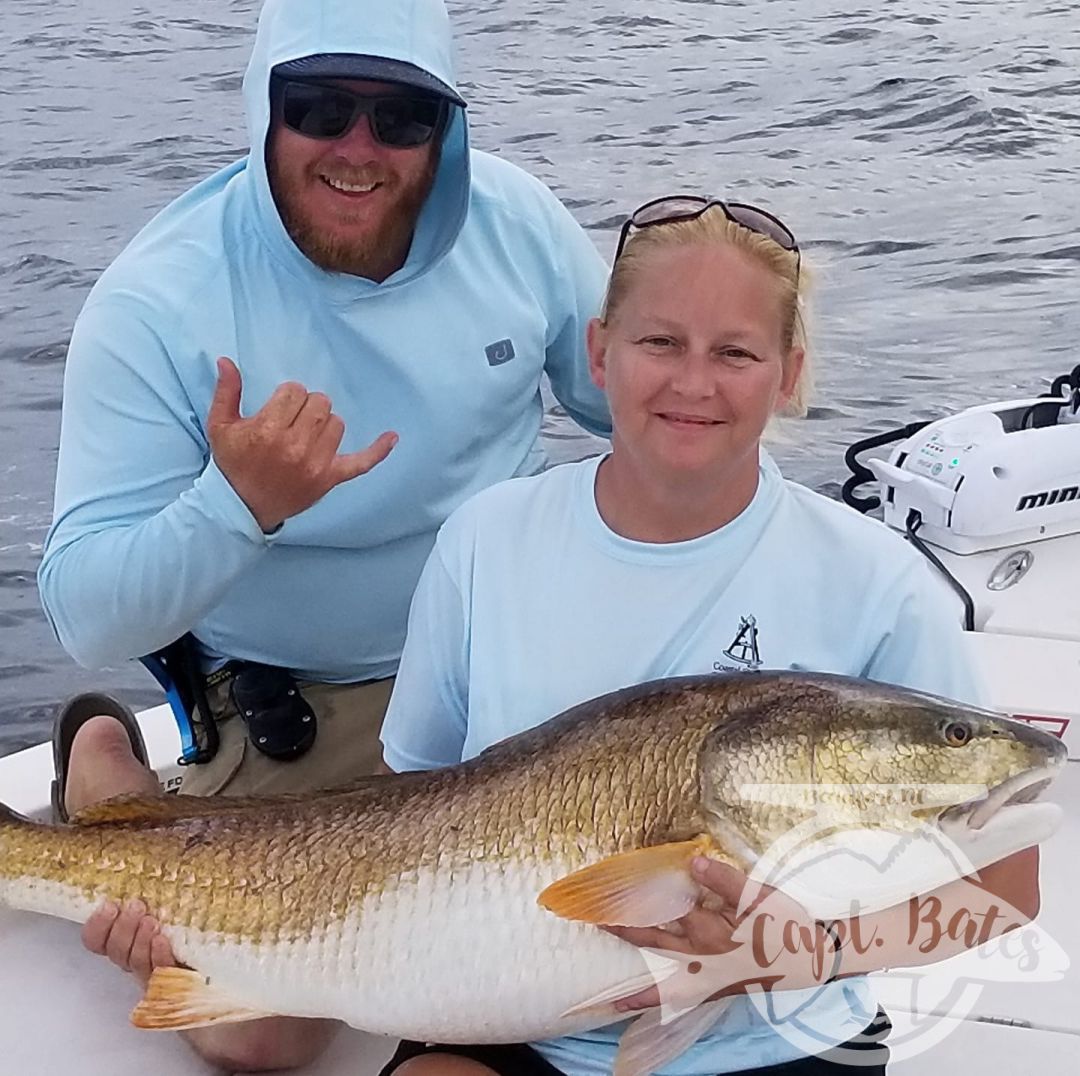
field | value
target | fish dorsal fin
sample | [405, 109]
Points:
[642, 888]
[653, 1040]
[179, 998]
[149, 810]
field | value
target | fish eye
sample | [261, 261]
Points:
[957, 734]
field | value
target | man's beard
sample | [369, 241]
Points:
[375, 255]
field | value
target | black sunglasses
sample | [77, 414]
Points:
[690, 206]
[316, 110]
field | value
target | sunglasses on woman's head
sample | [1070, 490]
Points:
[316, 110]
[691, 206]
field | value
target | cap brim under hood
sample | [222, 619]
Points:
[330, 65]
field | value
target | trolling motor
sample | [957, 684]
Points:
[1018, 463]
[989, 477]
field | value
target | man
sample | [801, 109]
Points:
[361, 296]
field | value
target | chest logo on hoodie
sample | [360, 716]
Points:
[499, 352]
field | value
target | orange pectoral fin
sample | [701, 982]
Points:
[642, 888]
[179, 998]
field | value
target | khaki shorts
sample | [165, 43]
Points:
[346, 744]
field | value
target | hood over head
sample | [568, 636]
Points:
[384, 40]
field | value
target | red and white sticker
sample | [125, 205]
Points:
[1056, 726]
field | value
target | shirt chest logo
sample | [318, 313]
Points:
[499, 352]
[742, 653]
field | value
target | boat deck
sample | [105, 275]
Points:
[65, 1010]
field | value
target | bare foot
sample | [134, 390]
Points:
[103, 765]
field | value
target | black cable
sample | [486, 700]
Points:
[1027, 419]
[912, 525]
[861, 474]
[1072, 380]
[1058, 394]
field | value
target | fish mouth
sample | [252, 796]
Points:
[1013, 794]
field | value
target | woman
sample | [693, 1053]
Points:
[682, 551]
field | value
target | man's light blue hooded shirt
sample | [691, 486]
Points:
[149, 540]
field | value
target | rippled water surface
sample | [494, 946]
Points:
[926, 154]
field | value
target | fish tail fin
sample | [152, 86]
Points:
[652, 1040]
[179, 998]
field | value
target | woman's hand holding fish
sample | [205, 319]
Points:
[284, 458]
[129, 937]
[756, 938]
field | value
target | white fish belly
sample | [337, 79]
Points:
[461, 957]
[31, 894]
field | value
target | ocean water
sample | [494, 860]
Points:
[927, 156]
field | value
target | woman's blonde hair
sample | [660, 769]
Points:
[713, 227]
